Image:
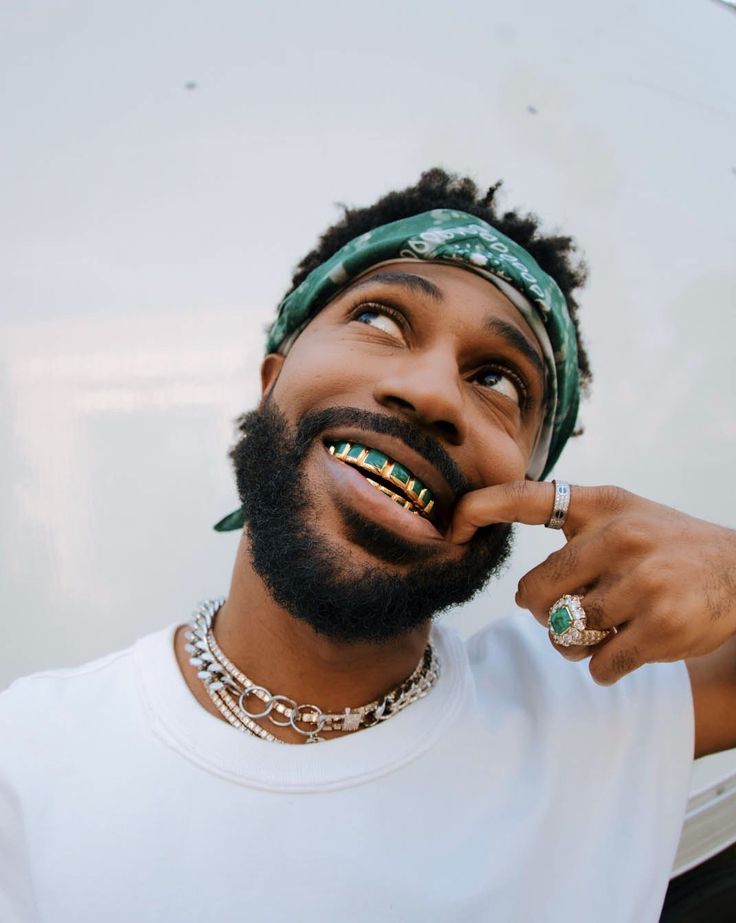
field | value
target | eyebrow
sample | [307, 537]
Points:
[514, 337]
[417, 284]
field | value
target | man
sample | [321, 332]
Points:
[313, 748]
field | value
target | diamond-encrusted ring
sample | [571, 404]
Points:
[560, 506]
[567, 621]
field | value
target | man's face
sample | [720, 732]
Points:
[435, 369]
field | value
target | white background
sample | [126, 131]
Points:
[147, 231]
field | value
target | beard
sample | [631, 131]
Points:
[314, 577]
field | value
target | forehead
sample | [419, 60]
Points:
[460, 298]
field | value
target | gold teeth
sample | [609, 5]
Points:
[420, 498]
[402, 501]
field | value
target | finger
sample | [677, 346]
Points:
[623, 653]
[606, 605]
[584, 648]
[531, 502]
[516, 501]
[617, 600]
[578, 564]
[574, 652]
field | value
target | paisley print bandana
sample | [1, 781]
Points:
[455, 237]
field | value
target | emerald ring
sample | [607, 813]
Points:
[567, 623]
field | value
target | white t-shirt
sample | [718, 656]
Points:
[516, 791]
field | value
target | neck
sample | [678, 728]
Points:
[288, 657]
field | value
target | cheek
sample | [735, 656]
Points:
[316, 374]
[501, 445]
[501, 459]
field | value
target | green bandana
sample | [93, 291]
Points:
[448, 236]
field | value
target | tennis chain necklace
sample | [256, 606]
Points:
[243, 703]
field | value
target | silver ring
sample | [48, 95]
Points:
[294, 717]
[567, 621]
[289, 703]
[251, 690]
[560, 506]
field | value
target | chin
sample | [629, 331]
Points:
[371, 579]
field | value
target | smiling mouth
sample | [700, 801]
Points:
[387, 475]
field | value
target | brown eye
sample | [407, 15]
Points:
[498, 379]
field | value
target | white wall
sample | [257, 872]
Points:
[147, 230]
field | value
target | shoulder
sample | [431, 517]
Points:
[58, 686]
[54, 711]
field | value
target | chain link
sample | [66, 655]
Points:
[230, 689]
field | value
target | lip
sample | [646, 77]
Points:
[353, 489]
[398, 451]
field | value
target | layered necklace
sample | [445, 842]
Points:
[244, 703]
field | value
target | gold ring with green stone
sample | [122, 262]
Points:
[567, 621]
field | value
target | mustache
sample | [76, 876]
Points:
[312, 424]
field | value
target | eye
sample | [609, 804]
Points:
[503, 381]
[380, 316]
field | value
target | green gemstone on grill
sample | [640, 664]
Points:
[375, 459]
[416, 487]
[560, 620]
[378, 461]
[400, 473]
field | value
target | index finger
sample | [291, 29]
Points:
[529, 502]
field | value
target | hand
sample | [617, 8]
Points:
[666, 580]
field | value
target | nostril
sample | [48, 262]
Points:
[447, 429]
[443, 428]
[400, 403]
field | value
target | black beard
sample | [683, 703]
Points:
[315, 579]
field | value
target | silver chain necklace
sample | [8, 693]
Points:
[242, 702]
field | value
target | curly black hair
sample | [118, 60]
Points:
[436, 188]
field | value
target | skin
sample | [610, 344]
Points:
[664, 579]
[461, 364]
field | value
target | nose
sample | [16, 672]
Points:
[426, 388]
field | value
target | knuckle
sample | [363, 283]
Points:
[628, 533]
[668, 626]
[525, 590]
[600, 672]
[612, 499]
[595, 615]
[518, 492]
[652, 579]
[561, 563]
[624, 661]
[638, 537]
[608, 668]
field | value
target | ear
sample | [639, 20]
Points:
[270, 369]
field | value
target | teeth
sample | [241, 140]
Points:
[397, 498]
[420, 499]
